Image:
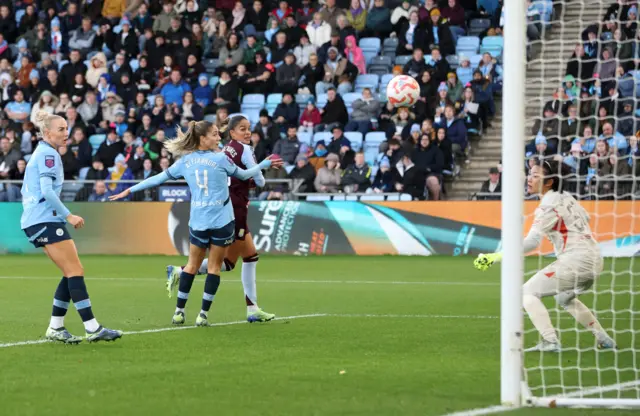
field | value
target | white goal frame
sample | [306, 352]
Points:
[514, 391]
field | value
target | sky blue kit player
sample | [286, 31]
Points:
[43, 220]
[207, 175]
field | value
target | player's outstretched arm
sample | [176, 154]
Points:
[151, 182]
[244, 174]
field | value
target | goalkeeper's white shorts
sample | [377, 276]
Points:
[573, 273]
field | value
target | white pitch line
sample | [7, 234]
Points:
[348, 282]
[167, 329]
[483, 411]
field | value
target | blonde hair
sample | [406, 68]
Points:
[43, 121]
[187, 142]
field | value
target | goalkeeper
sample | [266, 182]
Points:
[565, 223]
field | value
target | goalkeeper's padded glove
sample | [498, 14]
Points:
[484, 261]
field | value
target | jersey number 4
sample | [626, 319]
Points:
[202, 184]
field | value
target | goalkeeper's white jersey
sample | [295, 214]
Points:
[564, 222]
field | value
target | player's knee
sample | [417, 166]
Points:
[228, 264]
[529, 300]
[251, 259]
[564, 298]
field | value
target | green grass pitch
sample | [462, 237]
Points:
[395, 336]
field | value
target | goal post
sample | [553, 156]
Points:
[512, 266]
[580, 375]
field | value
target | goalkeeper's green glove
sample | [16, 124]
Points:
[484, 261]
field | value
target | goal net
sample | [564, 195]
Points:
[581, 105]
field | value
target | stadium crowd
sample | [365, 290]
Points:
[311, 77]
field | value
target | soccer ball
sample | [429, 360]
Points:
[403, 91]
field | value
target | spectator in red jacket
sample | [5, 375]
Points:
[310, 117]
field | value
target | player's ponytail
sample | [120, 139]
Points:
[556, 172]
[43, 121]
[189, 141]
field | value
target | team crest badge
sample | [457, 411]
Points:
[49, 161]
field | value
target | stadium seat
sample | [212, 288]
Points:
[272, 102]
[453, 61]
[474, 60]
[402, 60]
[626, 86]
[477, 26]
[95, 140]
[356, 140]
[372, 198]
[384, 81]
[349, 98]
[306, 138]
[380, 65]
[253, 115]
[494, 51]
[26, 158]
[370, 45]
[375, 138]
[70, 190]
[490, 6]
[467, 45]
[369, 56]
[326, 136]
[389, 46]
[19, 14]
[406, 197]
[82, 173]
[210, 65]
[370, 153]
[252, 102]
[493, 41]
[134, 64]
[213, 81]
[318, 197]
[321, 100]
[61, 65]
[211, 118]
[370, 81]
[151, 99]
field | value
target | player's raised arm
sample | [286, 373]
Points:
[242, 174]
[249, 160]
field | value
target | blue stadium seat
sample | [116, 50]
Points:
[372, 197]
[134, 64]
[211, 118]
[494, 51]
[474, 60]
[151, 99]
[26, 158]
[355, 138]
[82, 173]
[389, 46]
[384, 81]
[370, 153]
[375, 137]
[493, 41]
[321, 100]
[253, 115]
[402, 60]
[326, 136]
[61, 64]
[370, 45]
[19, 14]
[367, 81]
[349, 98]
[453, 61]
[380, 65]
[210, 65]
[95, 140]
[272, 102]
[318, 197]
[369, 56]
[306, 138]
[213, 81]
[253, 102]
[477, 26]
[467, 45]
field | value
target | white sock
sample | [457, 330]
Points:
[179, 310]
[249, 284]
[91, 325]
[203, 267]
[583, 315]
[204, 312]
[540, 317]
[56, 322]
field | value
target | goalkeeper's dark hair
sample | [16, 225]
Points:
[230, 124]
[554, 171]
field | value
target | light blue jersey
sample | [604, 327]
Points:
[207, 175]
[41, 188]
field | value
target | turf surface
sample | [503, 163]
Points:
[410, 336]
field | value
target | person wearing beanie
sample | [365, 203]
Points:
[319, 155]
[310, 117]
[56, 38]
[439, 33]
[383, 181]
[202, 93]
[305, 172]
